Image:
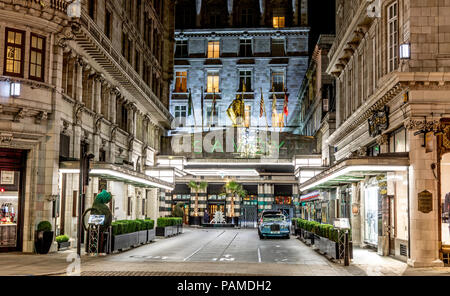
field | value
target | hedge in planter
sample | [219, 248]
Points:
[167, 226]
[63, 242]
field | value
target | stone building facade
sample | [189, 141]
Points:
[390, 60]
[226, 49]
[72, 84]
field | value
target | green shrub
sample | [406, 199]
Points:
[44, 226]
[163, 222]
[62, 239]
[150, 224]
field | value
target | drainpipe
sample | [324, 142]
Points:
[409, 219]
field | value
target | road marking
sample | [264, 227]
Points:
[259, 256]
[199, 249]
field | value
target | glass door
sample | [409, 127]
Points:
[371, 216]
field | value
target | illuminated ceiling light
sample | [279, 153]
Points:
[405, 51]
[15, 89]
[120, 175]
[349, 169]
[224, 172]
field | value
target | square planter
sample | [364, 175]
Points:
[63, 246]
[134, 239]
[164, 231]
[151, 233]
[142, 237]
[121, 242]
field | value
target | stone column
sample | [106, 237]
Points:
[230, 12]
[295, 10]
[198, 6]
[98, 94]
[79, 79]
[304, 13]
[262, 10]
[424, 234]
[113, 105]
[356, 217]
[132, 108]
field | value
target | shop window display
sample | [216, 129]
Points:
[371, 215]
[445, 199]
[9, 205]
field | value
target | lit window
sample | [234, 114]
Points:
[213, 50]
[15, 89]
[14, 52]
[213, 82]
[277, 81]
[181, 82]
[278, 22]
[37, 53]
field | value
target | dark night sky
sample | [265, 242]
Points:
[322, 19]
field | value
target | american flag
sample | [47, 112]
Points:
[286, 101]
[262, 107]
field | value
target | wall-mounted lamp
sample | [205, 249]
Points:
[405, 51]
[74, 9]
[15, 89]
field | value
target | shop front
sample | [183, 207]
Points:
[217, 201]
[283, 200]
[12, 174]
[373, 194]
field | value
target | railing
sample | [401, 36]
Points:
[98, 35]
[59, 5]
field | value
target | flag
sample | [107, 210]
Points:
[286, 101]
[262, 106]
[274, 111]
[202, 108]
[213, 108]
[190, 103]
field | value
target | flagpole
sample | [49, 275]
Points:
[202, 109]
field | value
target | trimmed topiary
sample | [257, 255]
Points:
[62, 239]
[44, 226]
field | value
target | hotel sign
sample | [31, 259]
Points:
[425, 200]
[379, 121]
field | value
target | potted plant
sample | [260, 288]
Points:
[63, 242]
[151, 233]
[142, 232]
[164, 227]
[197, 187]
[44, 237]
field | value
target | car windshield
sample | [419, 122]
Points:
[273, 218]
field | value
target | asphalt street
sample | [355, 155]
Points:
[223, 245]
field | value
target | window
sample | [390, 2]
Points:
[213, 121]
[15, 48]
[91, 9]
[245, 77]
[137, 61]
[373, 150]
[277, 81]
[247, 17]
[181, 49]
[180, 114]
[213, 82]
[398, 141]
[213, 50]
[108, 23]
[246, 48]
[37, 57]
[181, 82]
[277, 47]
[279, 20]
[393, 37]
[126, 47]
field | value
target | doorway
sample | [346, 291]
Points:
[12, 198]
[213, 208]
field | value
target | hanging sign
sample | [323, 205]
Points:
[96, 219]
[379, 121]
[425, 200]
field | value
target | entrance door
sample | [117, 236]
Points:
[249, 216]
[391, 227]
[213, 208]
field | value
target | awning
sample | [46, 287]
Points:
[310, 196]
[117, 173]
[354, 170]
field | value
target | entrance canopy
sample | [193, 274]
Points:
[117, 173]
[354, 170]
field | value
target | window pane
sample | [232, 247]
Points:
[18, 38]
[400, 143]
[10, 37]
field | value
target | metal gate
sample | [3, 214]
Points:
[249, 216]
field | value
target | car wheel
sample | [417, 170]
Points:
[261, 236]
[287, 237]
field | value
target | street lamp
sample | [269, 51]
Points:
[405, 51]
